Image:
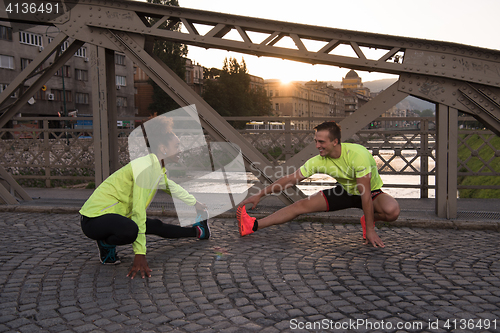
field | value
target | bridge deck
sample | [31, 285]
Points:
[472, 213]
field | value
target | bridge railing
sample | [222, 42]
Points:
[48, 151]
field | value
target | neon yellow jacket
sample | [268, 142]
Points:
[129, 191]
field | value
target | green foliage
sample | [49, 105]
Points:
[476, 165]
[173, 55]
[229, 92]
[425, 113]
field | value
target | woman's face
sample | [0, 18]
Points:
[170, 152]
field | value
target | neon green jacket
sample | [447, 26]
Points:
[129, 191]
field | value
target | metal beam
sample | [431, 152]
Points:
[480, 101]
[42, 79]
[418, 56]
[183, 95]
[10, 189]
[446, 162]
[100, 113]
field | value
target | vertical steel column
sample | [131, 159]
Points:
[452, 163]
[46, 152]
[112, 111]
[100, 115]
[424, 158]
[446, 162]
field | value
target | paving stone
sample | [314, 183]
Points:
[306, 271]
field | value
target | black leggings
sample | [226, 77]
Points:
[115, 229]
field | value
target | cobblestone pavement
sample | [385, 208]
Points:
[296, 277]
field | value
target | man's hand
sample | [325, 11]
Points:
[254, 200]
[373, 238]
[140, 264]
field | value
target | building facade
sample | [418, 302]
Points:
[296, 100]
[69, 91]
[353, 82]
[335, 97]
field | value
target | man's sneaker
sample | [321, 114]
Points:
[201, 225]
[245, 221]
[363, 225]
[107, 253]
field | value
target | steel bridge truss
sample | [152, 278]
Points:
[453, 76]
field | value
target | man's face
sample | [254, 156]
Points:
[324, 144]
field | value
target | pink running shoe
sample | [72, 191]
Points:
[245, 222]
[363, 225]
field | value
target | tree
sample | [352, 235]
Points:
[173, 55]
[230, 94]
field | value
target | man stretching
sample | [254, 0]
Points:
[354, 168]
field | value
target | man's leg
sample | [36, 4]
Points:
[386, 208]
[314, 203]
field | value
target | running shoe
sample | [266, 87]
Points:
[363, 225]
[201, 225]
[107, 253]
[245, 221]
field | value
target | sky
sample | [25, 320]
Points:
[470, 22]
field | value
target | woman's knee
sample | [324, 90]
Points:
[129, 234]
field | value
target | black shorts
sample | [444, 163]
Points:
[337, 198]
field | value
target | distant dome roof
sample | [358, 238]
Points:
[352, 74]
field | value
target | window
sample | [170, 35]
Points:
[64, 45]
[82, 52]
[121, 101]
[119, 59]
[30, 38]
[25, 62]
[58, 95]
[81, 98]
[6, 61]
[81, 74]
[40, 95]
[3, 86]
[121, 80]
[5, 33]
[64, 69]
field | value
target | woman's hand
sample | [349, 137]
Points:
[140, 264]
[200, 206]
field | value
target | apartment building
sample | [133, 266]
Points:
[335, 97]
[69, 91]
[296, 100]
